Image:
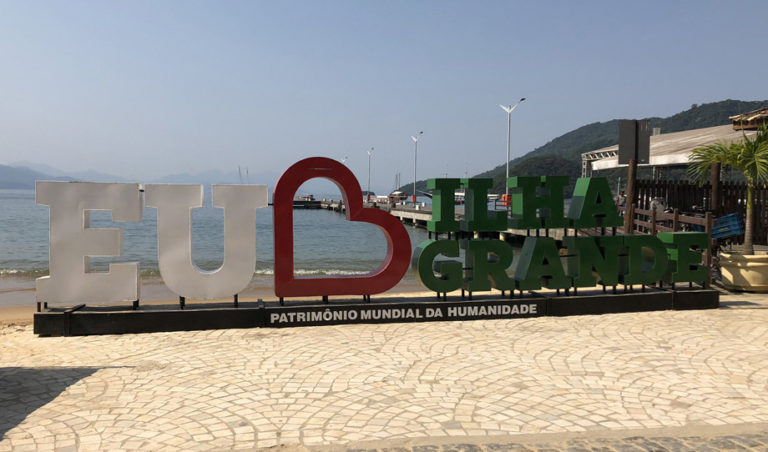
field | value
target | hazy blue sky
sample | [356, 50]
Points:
[145, 88]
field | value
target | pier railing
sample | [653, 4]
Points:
[730, 198]
[652, 221]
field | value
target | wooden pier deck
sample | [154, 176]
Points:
[644, 221]
[417, 215]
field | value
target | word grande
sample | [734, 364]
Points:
[538, 202]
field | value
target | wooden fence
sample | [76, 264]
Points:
[693, 200]
[652, 221]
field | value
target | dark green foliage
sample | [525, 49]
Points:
[546, 165]
[706, 115]
[567, 148]
[421, 188]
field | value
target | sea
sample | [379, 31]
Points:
[325, 244]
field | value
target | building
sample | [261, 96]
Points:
[667, 149]
[751, 120]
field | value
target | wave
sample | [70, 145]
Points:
[153, 272]
[38, 272]
[23, 273]
[314, 272]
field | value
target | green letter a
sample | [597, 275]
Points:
[592, 205]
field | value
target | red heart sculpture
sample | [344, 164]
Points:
[389, 273]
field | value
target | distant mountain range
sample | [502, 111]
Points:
[23, 174]
[21, 177]
[49, 171]
[562, 155]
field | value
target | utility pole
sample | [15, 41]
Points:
[415, 153]
[368, 195]
[505, 199]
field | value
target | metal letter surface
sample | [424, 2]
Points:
[592, 205]
[685, 256]
[174, 205]
[477, 217]
[73, 241]
[385, 277]
[443, 205]
[531, 210]
[423, 261]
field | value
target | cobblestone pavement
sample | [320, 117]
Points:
[429, 386]
[681, 440]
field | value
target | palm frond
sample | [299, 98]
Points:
[752, 158]
[749, 156]
[701, 159]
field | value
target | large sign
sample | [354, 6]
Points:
[73, 241]
[537, 202]
[389, 273]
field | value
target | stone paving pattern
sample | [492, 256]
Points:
[334, 386]
[680, 443]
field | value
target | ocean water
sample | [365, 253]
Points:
[324, 244]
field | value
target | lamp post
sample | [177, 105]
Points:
[505, 199]
[415, 153]
[368, 195]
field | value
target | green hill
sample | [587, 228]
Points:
[562, 155]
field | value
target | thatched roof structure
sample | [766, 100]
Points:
[750, 120]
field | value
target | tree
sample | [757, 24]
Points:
[749, 157]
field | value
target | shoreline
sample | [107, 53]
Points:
[20, 291]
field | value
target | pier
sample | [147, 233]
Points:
[416, 215]
[419, 215]
[644, 221]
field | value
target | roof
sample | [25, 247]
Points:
[751, 119]
[669, 149]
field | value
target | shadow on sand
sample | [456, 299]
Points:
[25, 389]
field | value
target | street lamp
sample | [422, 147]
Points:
[505, 199]
[415, 153]
[368, 195]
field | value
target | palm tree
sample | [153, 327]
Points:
[750, 157]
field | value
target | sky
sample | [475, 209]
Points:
[141, 89]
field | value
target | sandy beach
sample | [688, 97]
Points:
[16, 315]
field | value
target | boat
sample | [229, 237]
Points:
[307, 201]
[397, 196]
[459, 197]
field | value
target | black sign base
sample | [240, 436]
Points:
[87, 320]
